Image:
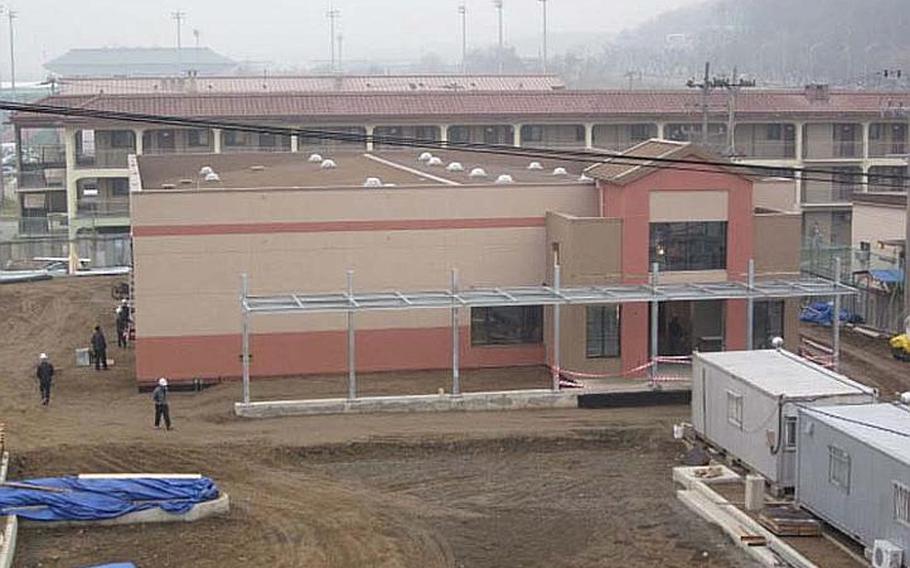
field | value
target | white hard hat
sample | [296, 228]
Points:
[43, 356]
[162, 382]
[123, 301]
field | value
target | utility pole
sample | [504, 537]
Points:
[463, 10]
[733, 88]
[333, 14]
[705, 87]
[196, 35]
[178, 17]
[498, 4]
[11, 14]
[543, 55]
[340, 52]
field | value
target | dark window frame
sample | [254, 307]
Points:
[603, 331]
[495, 326]
[689, 245]
[768, 321]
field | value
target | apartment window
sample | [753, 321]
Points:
[735, 409]
[901, 503]
[602, 332]
[839, 468]
[121, 139]
[235, 138]
[640, 132]
[507, 325]
[700, 245]
[774, 132]
[197, 138]
[120, 187]
[790, 433]
[460, 134]
[267, 140]
[165, 139]
[426, 133]
[767, 323]
[532, 133]
[579, 133]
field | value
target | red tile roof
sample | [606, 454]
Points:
[490, 106]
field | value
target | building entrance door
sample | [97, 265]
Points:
[684, 327]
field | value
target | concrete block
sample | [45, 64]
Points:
[8, 541]
[688, 476]
[219, 506]
[484, 401]
[755, 493]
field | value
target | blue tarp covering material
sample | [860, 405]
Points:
[888, 276]
[822, 313]
[74, 499]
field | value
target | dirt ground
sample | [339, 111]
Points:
[579, 488]
[866, 359]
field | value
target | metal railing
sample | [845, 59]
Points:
[103, 208]
[42, 156]
[38, 226]
[833, 150]
[885, 148]
[767, 150]
[112, 158]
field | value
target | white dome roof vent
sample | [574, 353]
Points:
[206, 170]
[434, 161]
[583, 178]
[372, 182]
[424, 157]
[560, 172]
[212, 177]
[328, 164]
[478, 173]
[535, 166]
[505, 178]
[315, 159]
[455, 167]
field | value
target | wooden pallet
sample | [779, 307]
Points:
[789, 521]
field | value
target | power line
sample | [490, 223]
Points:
[590, 157]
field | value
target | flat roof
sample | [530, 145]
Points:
[883, 426]
[263, 170]
[780, 373]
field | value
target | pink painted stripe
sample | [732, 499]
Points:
[337, 226]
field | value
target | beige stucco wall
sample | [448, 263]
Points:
[673, 206]
[776, 237]
[776, 194]
[590, 252]
[873, 223]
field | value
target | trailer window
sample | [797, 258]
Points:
[901, 503]
[839, 468]
[735, 409]
[790, 433]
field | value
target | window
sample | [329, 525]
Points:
[532, 133]
[901, 503]
[735, 409]
[120, 187]
[235, 138]
[121, 139]
[689, 246]
[790, 433]
[839, 468]
[426, 133]
[767, 323]
[640, 132]
[267, 140]
[460, 134]
[197, 138]
[165, 139]
[602, 332]
[774, 132]
[507, 325]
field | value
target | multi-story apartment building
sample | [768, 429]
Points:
[83, 180]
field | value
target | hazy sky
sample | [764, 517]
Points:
[289, 32]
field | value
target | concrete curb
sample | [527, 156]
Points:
[219, 506]
[485, 401]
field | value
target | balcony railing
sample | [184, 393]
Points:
[882, 149]
[153, 151]
[256, 148]
[834, 150]
[771, 150]
[104, 208]
[39, 226]
[43, 156]
[112, 158]
[817, 192]
[40, 179]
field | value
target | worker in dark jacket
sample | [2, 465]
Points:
[159, 395]
[45, 378]
[99, 349]
[123, 324]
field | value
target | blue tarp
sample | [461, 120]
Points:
[888, 276]
[822, 313]
[97, 499]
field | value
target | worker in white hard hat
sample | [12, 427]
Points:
[45, 378]
[123, 323]
[159, 395]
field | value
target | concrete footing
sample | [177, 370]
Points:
[8, 540]
[484, 401]
[219, 506]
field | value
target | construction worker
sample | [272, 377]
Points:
[45, 378]
[123, 323]
[99, 349]
[159, 395]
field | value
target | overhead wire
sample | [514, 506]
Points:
[585, 156]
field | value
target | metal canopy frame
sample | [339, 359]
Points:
[351, 303]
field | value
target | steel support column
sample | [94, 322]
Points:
[245, 336]
[352, 372]
[456, 344]
[655, 306]
[556, 328]
[750, 309]
[835, 321]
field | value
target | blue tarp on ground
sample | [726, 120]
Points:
[822, 313]
[74, 499]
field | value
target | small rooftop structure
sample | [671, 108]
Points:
[111, 62]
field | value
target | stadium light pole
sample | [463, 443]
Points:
[11, 14]
[178, 17]
[499, 54]
[333, 14]
[463, 11]
[543, 53]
